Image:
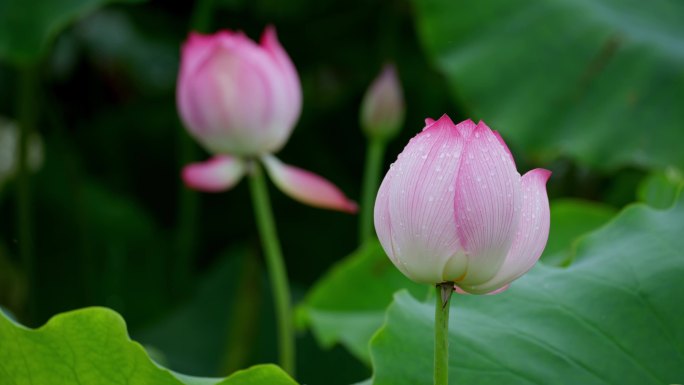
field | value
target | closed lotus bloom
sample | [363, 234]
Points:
[453, 208]
[241, 100]
[235, 96]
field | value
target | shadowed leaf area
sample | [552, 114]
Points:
[28, 26]
[600, 81]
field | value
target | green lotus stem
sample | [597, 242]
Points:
[371, 180]
[444, 291]
[276, 267]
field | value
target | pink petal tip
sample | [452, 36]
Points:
[218, 174]
[307, 187]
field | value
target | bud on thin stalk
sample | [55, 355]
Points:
[453, 211]
[241, 100]
[382, 115]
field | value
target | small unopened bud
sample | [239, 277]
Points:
[382, 110]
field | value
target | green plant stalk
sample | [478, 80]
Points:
[371, 180]
[28, 92]
[444, 292]
[188, 200]
[276, 267]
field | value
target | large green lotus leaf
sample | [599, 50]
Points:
[614, 316]
[570, 219]
[28, 26]
[599, 80]
[91, 346]
[348, 304]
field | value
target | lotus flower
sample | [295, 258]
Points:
[453, 208]
[241, 100]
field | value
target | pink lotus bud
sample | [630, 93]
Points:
[453, 208]
[236, 97]
[241, 101]
[382, 110]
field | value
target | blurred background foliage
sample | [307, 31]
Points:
[592, 90]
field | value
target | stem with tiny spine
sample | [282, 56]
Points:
[444, 292]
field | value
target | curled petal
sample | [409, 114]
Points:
[429, 122]
[220, 173]
[306, 186]
[486, 204]
[530, 237]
